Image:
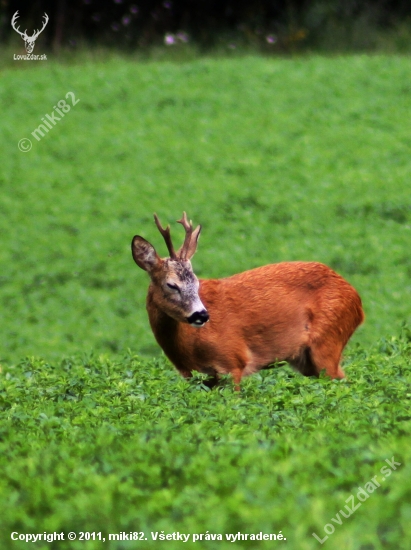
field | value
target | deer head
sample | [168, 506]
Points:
[29, 41]
[174, 287]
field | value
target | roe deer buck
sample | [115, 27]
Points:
[300, 312]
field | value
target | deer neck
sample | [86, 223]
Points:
[165, 329]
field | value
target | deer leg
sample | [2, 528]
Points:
[304, 364]
[327, 356]
[185, 373]
[237, 374]
[212, 381]
[213, 376]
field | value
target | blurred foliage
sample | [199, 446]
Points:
[267, 25]
[302, 159]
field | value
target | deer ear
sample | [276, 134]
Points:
[144, 253]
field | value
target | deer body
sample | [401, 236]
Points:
[300, 312]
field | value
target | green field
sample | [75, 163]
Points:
[278, 159]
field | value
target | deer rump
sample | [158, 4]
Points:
[300, 312]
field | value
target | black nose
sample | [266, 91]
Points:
[198, 318]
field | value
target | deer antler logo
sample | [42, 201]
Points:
[29, 41]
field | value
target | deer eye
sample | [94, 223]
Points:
[173, 287]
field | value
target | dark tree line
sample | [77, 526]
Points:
[206, 23]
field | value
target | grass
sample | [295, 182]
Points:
[278, 159]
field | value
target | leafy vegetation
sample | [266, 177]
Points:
[101, 446]
[278, 160]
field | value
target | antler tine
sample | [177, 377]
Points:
[167, 237]
[188, 226]
[190, 242]
[13, 23]
[37, 33]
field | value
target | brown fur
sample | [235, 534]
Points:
[303, 313]
[300, 312]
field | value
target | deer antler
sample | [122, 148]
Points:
[187, 250]
[36, 33]
[13, 23]
[167, 237]
[190, 242]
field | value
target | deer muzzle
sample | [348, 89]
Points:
[198, 318]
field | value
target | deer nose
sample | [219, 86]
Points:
[198, 318]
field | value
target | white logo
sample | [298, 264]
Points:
[29, 41]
